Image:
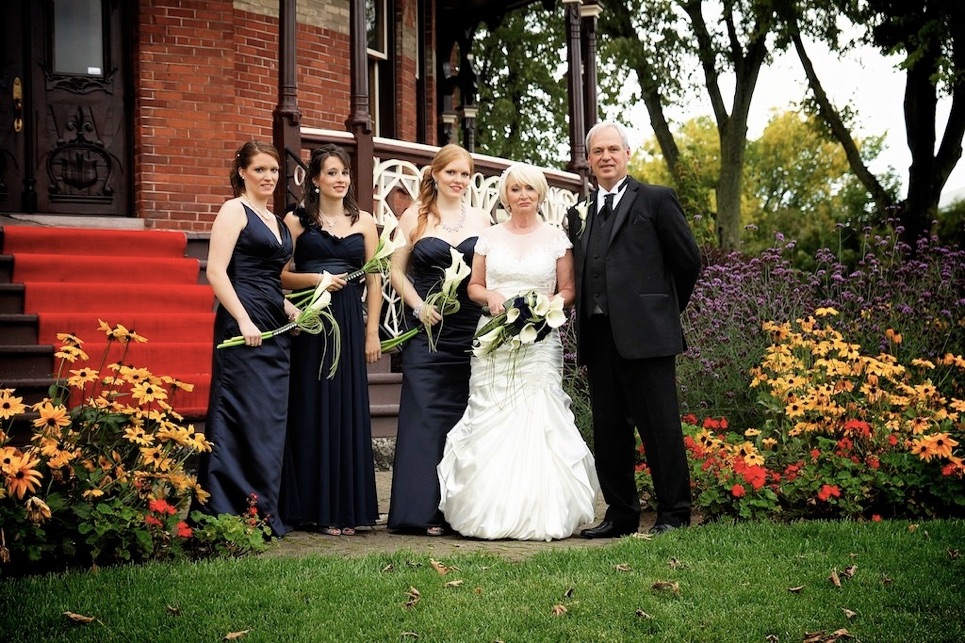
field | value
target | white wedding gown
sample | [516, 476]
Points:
[515, 465]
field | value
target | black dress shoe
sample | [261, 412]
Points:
[662, 528]
[608, 529]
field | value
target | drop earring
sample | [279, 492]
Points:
[316, 188]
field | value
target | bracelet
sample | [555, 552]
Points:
[417, 312]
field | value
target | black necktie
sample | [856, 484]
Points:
[607, 208]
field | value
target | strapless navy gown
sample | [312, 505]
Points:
[329, 475]
[248, 406]
[435, 390]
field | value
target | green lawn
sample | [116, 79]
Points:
[719, 582]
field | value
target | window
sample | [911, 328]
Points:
[378, 21]
[78, 38]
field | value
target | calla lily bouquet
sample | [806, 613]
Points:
[445, 300]
[382, 259]
[314, 317]
[528, 318]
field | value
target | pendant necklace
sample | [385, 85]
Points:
[267, 216]
[458, 226]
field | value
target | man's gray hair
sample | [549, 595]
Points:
[603, 125]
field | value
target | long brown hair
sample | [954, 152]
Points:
[427, 187]
[243, 158]
[313, 198]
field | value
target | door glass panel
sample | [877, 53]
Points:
[78, 37]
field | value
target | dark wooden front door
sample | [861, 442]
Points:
[65, 107]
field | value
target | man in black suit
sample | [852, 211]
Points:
[636, 265]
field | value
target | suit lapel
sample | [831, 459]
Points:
[623, 208]
[590, 219]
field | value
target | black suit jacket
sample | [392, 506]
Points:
[652, 265]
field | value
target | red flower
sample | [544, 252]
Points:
[845, 444]
[152, 521]
[711, 423]
[873, 462]
[827, 491]
[892, 440]
[815, 454]
[738, 491]
[161, 506]
[690, 419]
[875, 517]
[857, 427]
[183, 530]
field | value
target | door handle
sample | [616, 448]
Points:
[17, 105]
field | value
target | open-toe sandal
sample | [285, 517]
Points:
[331, 531]
[436, 531]
[348, 531]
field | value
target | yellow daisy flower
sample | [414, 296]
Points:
[10, 405]
[147, 392]
[22, 477]
[51, 417]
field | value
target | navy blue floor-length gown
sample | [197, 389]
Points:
[435, 390]
[247, 409]
[329, 476]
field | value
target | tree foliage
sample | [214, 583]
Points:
[522, 89]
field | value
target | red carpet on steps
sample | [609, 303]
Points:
[140, 279]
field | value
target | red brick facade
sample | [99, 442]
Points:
[206, 79]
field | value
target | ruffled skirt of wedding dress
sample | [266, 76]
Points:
[515, 465]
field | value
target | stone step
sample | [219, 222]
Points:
[18, 328]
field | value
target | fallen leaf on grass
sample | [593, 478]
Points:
[849, 571]
[414, 596]
[568, 593]
[231, 636]
[622, 567]
[953, 554]
[409, 635]
[850, 614]
[642, 614]
[676, 564]
[454, 583]
[641, 535]
[477, 591]
[772, 638]
[439, 567]
[795, 590]
[559, 610]
[388, 568]
[912, 528]
[79, 618]
[886, 579]
[664, 584]
[174, 610]
[834, 578]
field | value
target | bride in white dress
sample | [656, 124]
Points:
[515, 465]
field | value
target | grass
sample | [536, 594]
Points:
[733, 583]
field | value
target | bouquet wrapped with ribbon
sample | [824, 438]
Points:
[526, 319]
[382, 259]
[313, 317]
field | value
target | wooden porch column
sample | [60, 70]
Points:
[589, 12]
[574, 85]
[359, 122]
[286, 119]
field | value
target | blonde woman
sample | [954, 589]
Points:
[435, 384]
[515, 465]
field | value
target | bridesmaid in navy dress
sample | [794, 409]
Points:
[247, 410]
[329, 479]
[435, 384]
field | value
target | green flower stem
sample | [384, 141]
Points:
[238, 340]
[397, 341]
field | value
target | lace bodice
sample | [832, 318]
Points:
[519, 262]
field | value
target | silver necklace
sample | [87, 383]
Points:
[458, 226]
[267, 216]
[326, 223]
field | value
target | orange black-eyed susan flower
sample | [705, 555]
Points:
[22, 476]
[10, 405]
[51, 417]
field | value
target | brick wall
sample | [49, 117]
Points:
[206, 80]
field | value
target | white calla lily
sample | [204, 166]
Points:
[542, 305]
[555, 317]
[528, 334]
[455, 273]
